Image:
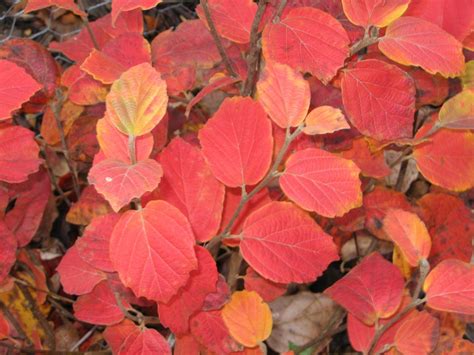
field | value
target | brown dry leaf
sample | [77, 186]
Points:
[301, 318]
[411, 173]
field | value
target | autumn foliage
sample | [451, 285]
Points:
[267, 177]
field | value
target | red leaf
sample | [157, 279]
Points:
[370, 163]
[292, 41]
[145, 342]
[229, 142]
[450, 225]
[18, 154]
[216, 82]
[377, 203]
[413, 41]
[4, 327]
[31, 198]
[114, 144]
[116, 57]
[361, 335]
[322, 182]
[78, 47]
[37, 61]
[373, 12]
[454, 16]
[189, 185]
[284, 244]
[446, 159]
[116, 335]
[179, 54]
[176, 313]
[120, 182]
[99, 306]
[7, 250]
[232, 200]
[371, 290]
[119, 6]
[418, 335]
[449, 287]
[216, 300]
[284, 94]
[93, 246]
[186, 345]
[209, 329]
[158, 241]
[232, 18]
[35, 5]
[17, 86]
[410, 234]
[77, 276]
[379, 99]
[268, 290]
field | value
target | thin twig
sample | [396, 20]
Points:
[279, 11]
[217, 39]
[56, 107]
[84, 338]
[254, 52]
[320, 339]
[49, 293]
[85, 20]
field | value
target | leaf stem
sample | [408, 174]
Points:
[217, 39]
[85, 20]
[423, 268]
[279, 11]
[370, 37]
[245, 197]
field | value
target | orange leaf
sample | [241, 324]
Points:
[325, 119]
[120, 182]
[446, 159]
[449, 287]
[292, 41]
[118, 55]
[17, 86]
[418, 334]
[284, 244]
[372, 290]
[322, 182]
[34, 5]
[284, 94]
[379, 99]
[408, 231]
[232, 18]
[248, 318]
[374, 12]
[413, 41]
[137, 100]
[158, 241]
[458, 112]
[119, 6]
